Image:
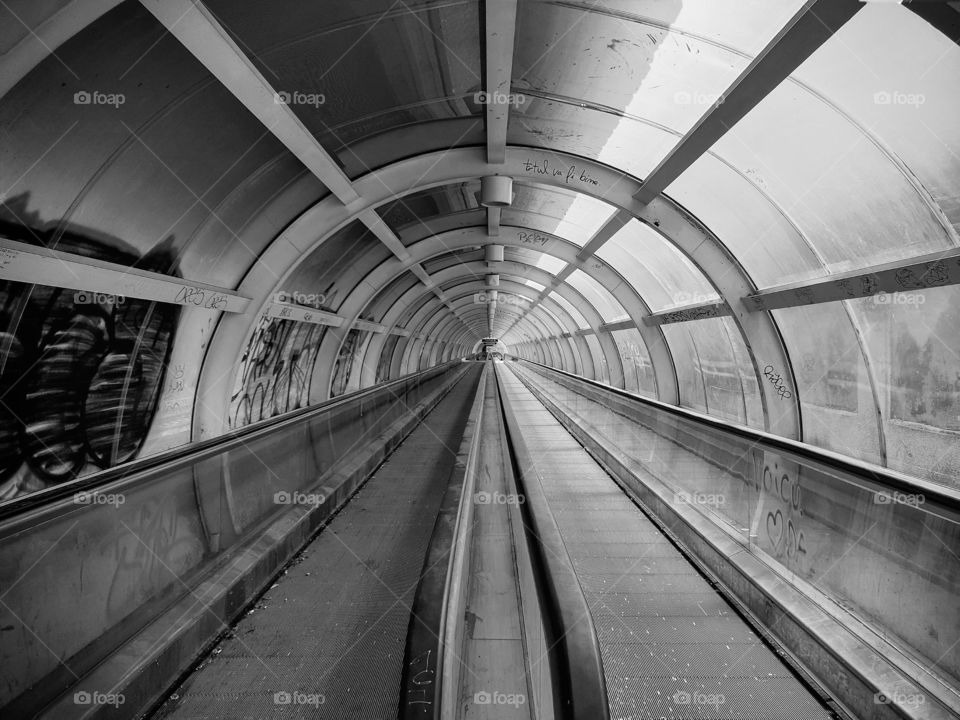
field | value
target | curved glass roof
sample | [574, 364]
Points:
[746, 207]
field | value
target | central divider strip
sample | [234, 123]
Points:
[579, 687]
[431, 663]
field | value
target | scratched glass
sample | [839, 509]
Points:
[886, 554]
[571, 309]
[914, 343]
[637, 368]
[601, 371]
[660, 273]
[434, 72]
[598, 296]
[137, 545]
[836, 396]
[905, 91]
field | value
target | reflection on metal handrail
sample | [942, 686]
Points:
[200, 450]
[939, 499]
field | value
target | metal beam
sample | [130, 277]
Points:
[912, 274]
[35, 264]
[501, 23]
[198, 30]
[811, 26]
[699, 311]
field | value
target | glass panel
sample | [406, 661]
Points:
[598, 296]
[343, 368]
[653, 67]
[687, 364]
[748, 375]
[906, 90]
[836, 402]
[914, 344]
[602, 372]
[815, 163]
[721, 372]
[326, 276]
[577, 316]
[760, 235]
[660, 273]
[569, 215]
[414, 64]
[637, 368]
[628, 144]
[80, 378]
[866, 550]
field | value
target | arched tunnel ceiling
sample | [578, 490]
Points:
[684, 170]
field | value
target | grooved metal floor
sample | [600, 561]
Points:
[327, 640]
[671, 646]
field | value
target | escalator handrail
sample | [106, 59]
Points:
[170, 460]
[946, 498]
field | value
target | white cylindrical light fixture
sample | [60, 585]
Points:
[493, 253]
[496, 191]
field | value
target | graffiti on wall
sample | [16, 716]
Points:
[80, 372]
[777, 524]
[275, 370]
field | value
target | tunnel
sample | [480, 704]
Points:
[467, 359]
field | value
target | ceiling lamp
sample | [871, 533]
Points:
[496, 191]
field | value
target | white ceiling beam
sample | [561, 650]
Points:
[810, 27]
[501, 24]
[198, 30]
